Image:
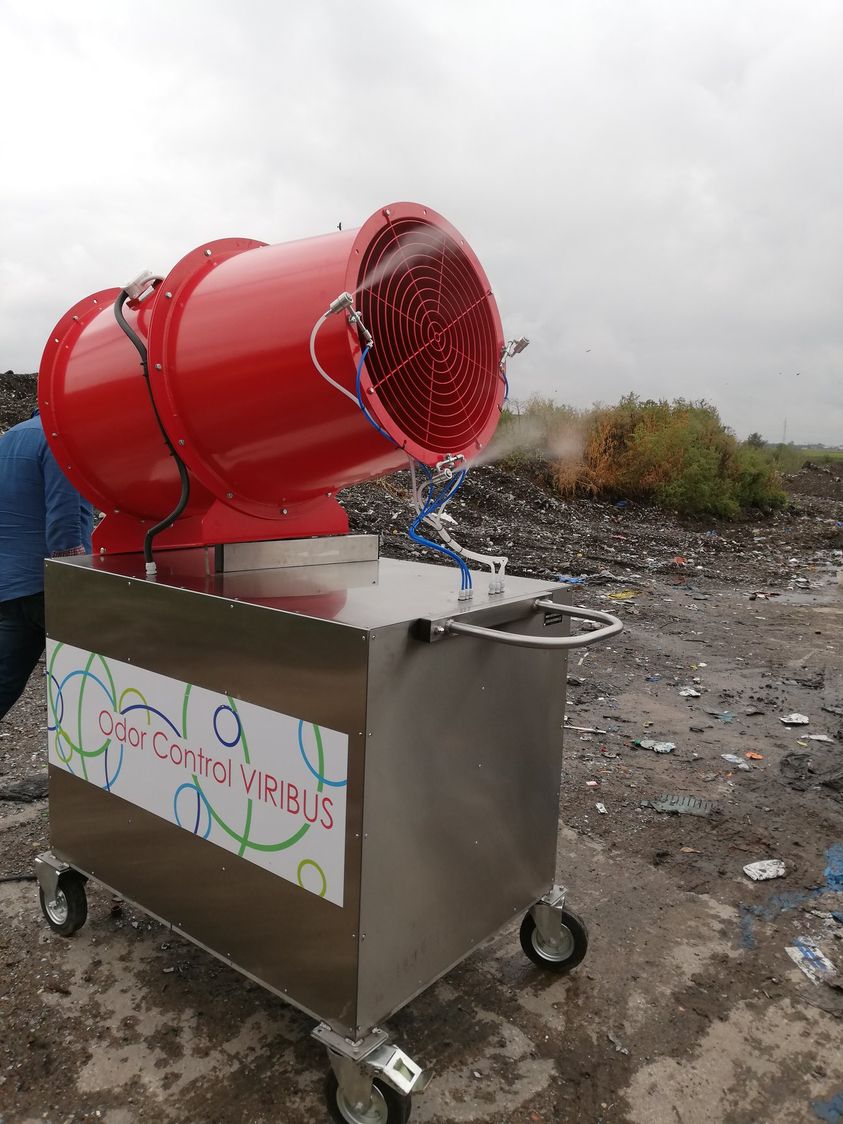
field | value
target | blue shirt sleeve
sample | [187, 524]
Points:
[68, 516]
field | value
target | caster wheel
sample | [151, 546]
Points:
[562, 956]
[68, 911]
[387, 1107]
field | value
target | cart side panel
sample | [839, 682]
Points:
[292, 940]
[462, 801]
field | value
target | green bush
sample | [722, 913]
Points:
[678, 454]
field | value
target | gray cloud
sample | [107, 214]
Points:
[653, 187]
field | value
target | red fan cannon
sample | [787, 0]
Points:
[235, 683]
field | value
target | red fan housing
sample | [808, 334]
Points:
[267, 441]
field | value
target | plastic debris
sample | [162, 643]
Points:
[567, 579]
[689, 693]
[818, 738]
[623, 594]
[657, 747]
[654, 678]
[795, 720]
[722, 715]
[764, 870]
[754, 756]
[601, 808]
[807, 955]
[616, 1042]
[591, 784]
[733, 759]
[682, 806]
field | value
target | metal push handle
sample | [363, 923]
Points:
[611, 627]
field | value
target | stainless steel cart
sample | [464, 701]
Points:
[318, 765]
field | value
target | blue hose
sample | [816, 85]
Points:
[363, 409]
[432, 505]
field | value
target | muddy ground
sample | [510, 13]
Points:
[687, 1008]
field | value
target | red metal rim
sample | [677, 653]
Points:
[432, 379]
[51, 386]
[163, 329]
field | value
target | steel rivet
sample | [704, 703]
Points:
[55, 339]
[229, 495]
[207, 253]
[168, 296]
[157, 366]
[181, 440]
[283, 511]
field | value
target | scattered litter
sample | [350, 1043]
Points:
[601, 808]
[591, 784]
[807, 955]
[697, 729]
[723, 715]
[754, 756]
[690, 851]
[657, 747]
[585, 729]
[682, 806]
[795, 720]
[818, 738]
[765, 870]
[567, 579]
[751, 711]
[689, 693]
[654, 678]
[167, 971]
[733, 759]
[623, 594]
[616, 1042]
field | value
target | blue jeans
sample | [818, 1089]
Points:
[21, 645]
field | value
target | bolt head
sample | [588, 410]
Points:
[169, 296]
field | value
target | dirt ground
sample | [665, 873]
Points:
[687, 1008]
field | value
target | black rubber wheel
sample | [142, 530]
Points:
[387, 1107]
[564, 956]
[68, 911]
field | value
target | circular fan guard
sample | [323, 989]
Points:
[432, 378]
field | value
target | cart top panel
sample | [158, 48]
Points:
[360, 594]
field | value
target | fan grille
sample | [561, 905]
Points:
[433, 374]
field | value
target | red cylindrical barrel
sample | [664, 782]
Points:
[228, 333]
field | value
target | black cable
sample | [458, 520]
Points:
[140, 346]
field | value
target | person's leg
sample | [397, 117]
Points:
[21, 644]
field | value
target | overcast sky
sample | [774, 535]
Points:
[655, 187]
